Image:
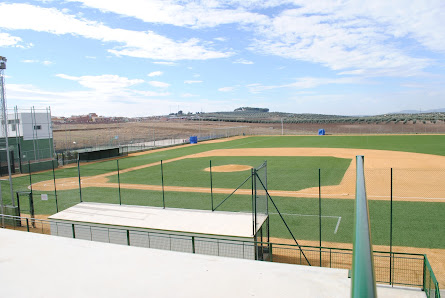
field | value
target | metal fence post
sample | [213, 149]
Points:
[128, 237]
[80, 184]
[390, 236]
[27, 224]
[162, 180]
[30, 188]
[119, 182]
[74, 231]
[253, 194]
[330, 258]
[193, 244]
[319, 208]
[424, 273]
[211, 184]
[55, 189]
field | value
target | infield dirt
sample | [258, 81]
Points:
[425, 180]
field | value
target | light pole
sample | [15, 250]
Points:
[5, 122]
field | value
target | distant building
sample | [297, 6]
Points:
[30, 139]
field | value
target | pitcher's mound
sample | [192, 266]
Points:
[229, 168]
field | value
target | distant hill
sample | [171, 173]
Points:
[420, 112]
[262, 115]
[252, 110]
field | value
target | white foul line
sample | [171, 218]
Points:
[330, 216]
[338, 223]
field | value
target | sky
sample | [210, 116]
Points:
[154, 57]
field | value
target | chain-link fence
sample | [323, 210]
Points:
[29, 141]
[406, 204]
[71, 139]
[394, 269]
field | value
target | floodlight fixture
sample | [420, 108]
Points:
[3, 62]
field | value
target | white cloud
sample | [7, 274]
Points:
[226, 89]
[104, 83]
[159, 84]
[378, 37]
[179, 13]
[188, 95]
[192, 82]
[121, 102]
[242, 61]
[166, 63]
[306, 83]
[155, 74]
[151, 93]
[45, 62]
[133, 43]
[350, 35]
[30, 61]
[7, 40]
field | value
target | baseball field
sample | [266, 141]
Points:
[298, 167]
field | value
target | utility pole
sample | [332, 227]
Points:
[5, 123]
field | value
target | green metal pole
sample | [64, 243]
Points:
[78, 173]
[30, 181]
[424, 273]
[255, 201]
[119, 182]
[390, 237]
[211, 184]
[253, 216]
[162, 180]
[363, 274]
[55, 189]
[319, 209]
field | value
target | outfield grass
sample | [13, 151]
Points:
[284, 173]
[416, 224]
[430, 144]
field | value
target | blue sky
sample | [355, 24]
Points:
[142, 58]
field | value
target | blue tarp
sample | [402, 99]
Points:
[193, 140]
[321, 132]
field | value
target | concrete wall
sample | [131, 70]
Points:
[35, 126]
[28, 126]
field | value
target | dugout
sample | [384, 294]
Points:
[184, 230]
[98, 154]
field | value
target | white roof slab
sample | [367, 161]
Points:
[234, 224]
[35, 265]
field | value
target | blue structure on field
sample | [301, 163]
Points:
[194, 140]
[321, 132]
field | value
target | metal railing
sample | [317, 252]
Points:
[405, 269]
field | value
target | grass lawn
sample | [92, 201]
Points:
[284, 173]
[415, 223]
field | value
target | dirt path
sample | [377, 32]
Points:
[419, 177]
[229, 168]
